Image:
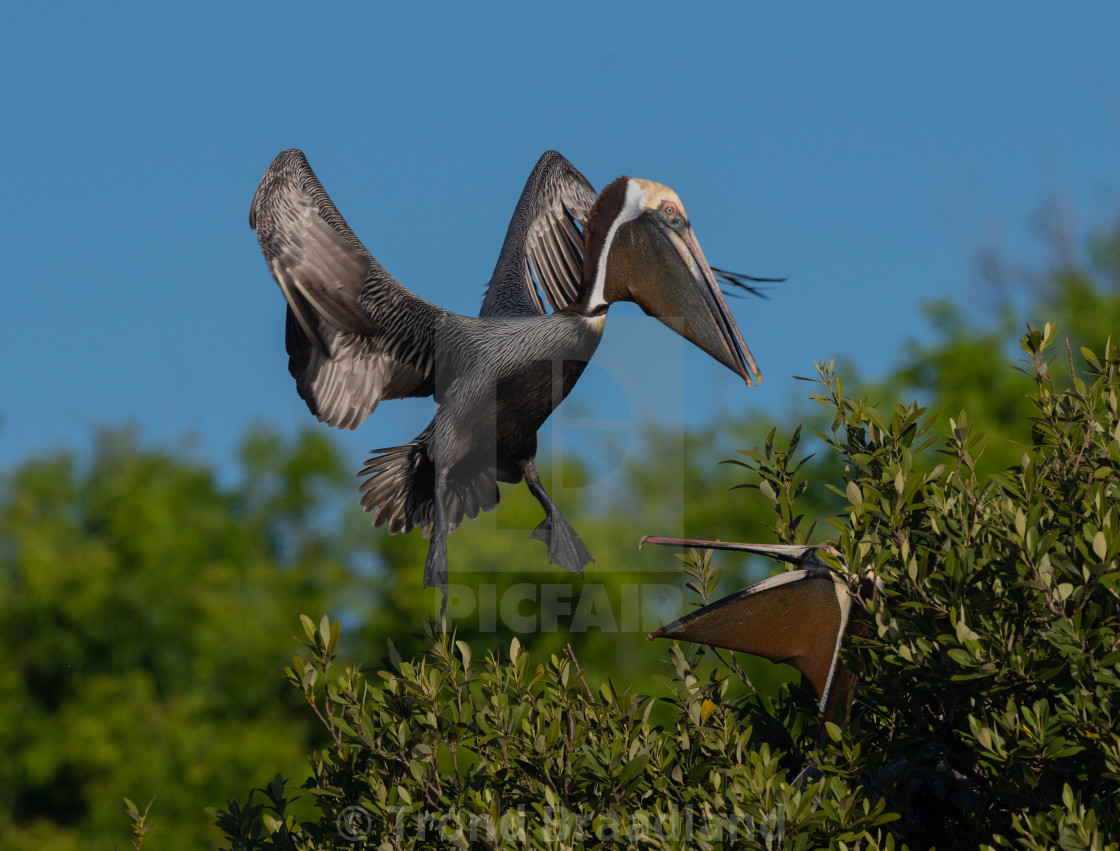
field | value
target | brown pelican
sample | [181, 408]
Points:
[355, 336]
[800, 617]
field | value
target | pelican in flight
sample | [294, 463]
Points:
[355, 336]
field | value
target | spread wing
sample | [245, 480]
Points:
[354, 335]
[543, 248]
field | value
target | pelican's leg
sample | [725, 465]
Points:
[564, 545]
[435, 568]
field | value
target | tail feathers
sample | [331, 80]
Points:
[399, 491]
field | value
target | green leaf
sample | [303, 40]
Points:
[632, 769]
[962, 657]
[465, 652]
[271, 823]
[308, 627]
[605, 691]
[854, 494]
[1100, 545]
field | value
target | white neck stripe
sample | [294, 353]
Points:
[631, 209]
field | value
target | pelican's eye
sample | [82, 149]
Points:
[671, 211]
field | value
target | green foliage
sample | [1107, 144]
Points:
[139, 821]
[991, 682]
[144, 612]
[985, 714]
[501, 752]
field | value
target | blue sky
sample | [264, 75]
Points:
[867, 153]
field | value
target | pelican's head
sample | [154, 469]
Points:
[640, 247]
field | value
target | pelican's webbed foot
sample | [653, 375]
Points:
[565, 547]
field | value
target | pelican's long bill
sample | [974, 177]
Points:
[799, 617]
[657, 256]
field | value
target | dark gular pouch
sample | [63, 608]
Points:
[658, 266]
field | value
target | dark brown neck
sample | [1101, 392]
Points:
[596, 248]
